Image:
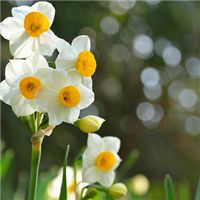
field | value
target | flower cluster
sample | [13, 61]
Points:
[33, 88]
[30, 85]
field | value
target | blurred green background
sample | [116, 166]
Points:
[147, 87]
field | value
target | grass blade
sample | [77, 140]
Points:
[63, 190]
[5, 163]
[128, 163]
[169, 188]
[197, 197]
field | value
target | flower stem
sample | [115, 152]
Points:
[35, 161]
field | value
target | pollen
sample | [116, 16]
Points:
[36, 23]
[29, 87]
[86, 63]
[105, 161]
[69, 96]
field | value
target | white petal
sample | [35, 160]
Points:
[20, 12]
[89, 158]
[65, 114]
[47, 43]
[65, 48]
[111, 144]
[57, 80]
[54, 116]
[65, 64]
[10, 27]
[91, 175]
[5, 89]
[22, 106]
[87, 82]
[43, 73]
[118, 160]
[15, 69]
[23, 47]
[37, 62]
[54, 120]
[73, 77]
[46, 100]
[106, 178]
[66, 58]
[46, 8]
[81, 43]
[71, 114]
[94, 141]
[87, 96]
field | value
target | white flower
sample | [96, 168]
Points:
[100, 159]
[64, 96]
[53, 188]
[28, 31]
[77, 56]
[24, 79]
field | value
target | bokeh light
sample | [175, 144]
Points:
[139, 184]
[109, 25]
[171, 55]
[143, 46]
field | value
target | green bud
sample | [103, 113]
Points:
[117, 190]
[89, 124]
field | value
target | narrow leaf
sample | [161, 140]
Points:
[63, 190]
[129, 162]
[5, 163]
[169, 188]
[197, 197]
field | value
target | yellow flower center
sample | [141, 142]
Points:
[105, 161]
[86, 63]
[36, 23]
[29, 87]
[71, 188]
[69, 96]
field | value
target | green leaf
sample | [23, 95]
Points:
[129, 162]
[197, 197]
[169, 188]
[63, 190]
[45, 122]
[6, 160]
[52, 64]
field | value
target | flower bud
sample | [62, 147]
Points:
[117, 190]
[89, 124]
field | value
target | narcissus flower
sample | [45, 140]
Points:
[77, 56]
[90, 123]
[64, 96]
[100, 159]
[28, 31]
[24, 79]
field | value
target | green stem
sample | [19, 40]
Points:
[39, 120]
[31, 123]
[35, 161]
